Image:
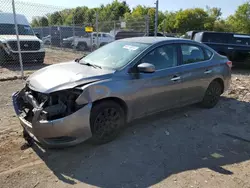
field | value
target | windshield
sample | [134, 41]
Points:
[9, 29]
[115, 55]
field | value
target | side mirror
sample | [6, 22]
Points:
[146, 68]
[38, 35]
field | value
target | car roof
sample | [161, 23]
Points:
[151, 40]
[231, 33]
[8, 18]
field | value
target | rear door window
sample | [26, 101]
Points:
[217, 37]
[192, 54]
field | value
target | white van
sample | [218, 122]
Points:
[31, 46]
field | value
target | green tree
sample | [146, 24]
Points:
[240, 21]
[168, 23]
[55, 18]
[35, 22]
[43, 21]
[214, 15]
[190, 19]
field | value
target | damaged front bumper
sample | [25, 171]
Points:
[62, 132]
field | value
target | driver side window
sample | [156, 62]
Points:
[162, 57]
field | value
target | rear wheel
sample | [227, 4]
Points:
[106, 121]
[212, 95]
[82, 46]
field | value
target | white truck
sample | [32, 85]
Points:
[31, 46]
[91, 41]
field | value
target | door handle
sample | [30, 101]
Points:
[208, 72]
[176, 78]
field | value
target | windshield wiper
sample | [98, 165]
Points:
[92, 65]
[88, 64]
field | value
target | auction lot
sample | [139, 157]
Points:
[188, 147]
[52, 56]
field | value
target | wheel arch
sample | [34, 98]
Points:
[221, 82]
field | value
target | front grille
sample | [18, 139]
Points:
[25, 45]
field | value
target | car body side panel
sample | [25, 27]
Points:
[195, 81]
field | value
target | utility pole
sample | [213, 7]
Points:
[74, 32]
[156, 17]
[97, 30]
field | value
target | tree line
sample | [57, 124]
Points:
[179, 21]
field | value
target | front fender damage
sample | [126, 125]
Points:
[92, 94]
[52, 118]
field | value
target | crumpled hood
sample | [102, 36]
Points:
[65, 76]
[21, 37]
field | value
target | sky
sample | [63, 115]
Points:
[227, 6]
[30, 9]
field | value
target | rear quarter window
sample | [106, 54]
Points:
[208, 54]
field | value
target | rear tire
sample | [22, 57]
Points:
[212, 95]
[106, 120]
[82, 47]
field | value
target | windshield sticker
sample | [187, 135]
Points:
[130, 48]
[26, 27]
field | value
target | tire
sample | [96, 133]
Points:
[82, 46]
[2, 57]
[106, 120]
[212, 95]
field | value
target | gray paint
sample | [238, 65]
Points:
[143, 93]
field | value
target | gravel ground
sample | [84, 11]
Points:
[188, 147]
[52, 56]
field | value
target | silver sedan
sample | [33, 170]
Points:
[94, 96]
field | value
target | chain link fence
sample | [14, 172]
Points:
[33, 36]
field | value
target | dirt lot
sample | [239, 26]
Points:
[188, 147]
[52, 56]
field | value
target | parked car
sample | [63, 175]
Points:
[91, 41]
[190, 35]
[93, 97]
[31, 46]
[235, 46]
[47, 40]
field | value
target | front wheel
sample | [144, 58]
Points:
[106, 121]
[212, 95]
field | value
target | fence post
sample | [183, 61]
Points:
[114, 28]
[156, 17]
[60, 36]
[18, 41]
[50, 33]
[74, 33]
[147, 25]
[164, 26]
[97, 31]
[41, 33]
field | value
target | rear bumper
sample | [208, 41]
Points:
[63, 132]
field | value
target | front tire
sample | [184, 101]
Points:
[106, 120]
[212, 95]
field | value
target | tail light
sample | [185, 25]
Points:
[229, 64]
